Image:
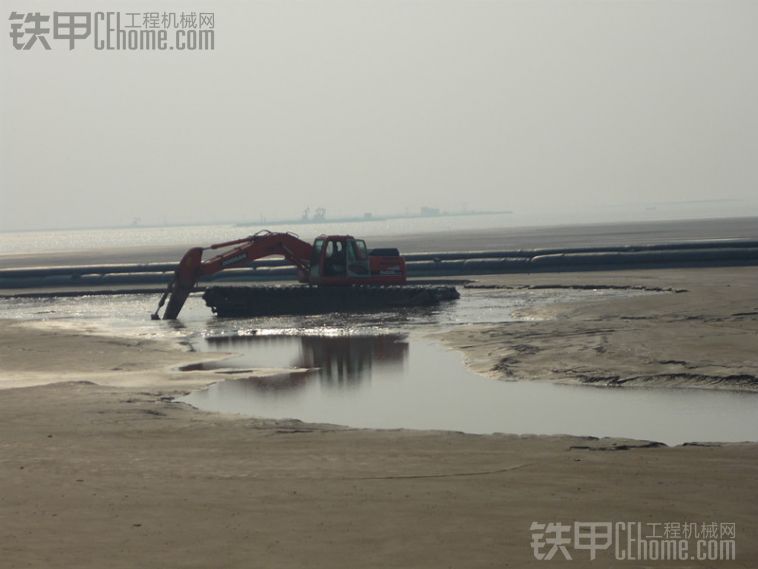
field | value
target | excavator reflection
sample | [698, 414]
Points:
[339, 362]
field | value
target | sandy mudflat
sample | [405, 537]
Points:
[105, 470]
[702, 331]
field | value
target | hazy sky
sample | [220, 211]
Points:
[383, 106]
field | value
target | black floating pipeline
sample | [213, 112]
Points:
[720, 253]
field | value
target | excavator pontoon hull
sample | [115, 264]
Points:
[281, 300]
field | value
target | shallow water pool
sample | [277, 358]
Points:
[405, 381]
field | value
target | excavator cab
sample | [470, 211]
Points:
[339, 259]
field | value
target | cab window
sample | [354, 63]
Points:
[334, 259]
[318, 245]
[357, 258]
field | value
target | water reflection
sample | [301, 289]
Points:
[338, 362]
[378, 382]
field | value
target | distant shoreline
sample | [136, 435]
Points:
[368, 218]
[533, 222]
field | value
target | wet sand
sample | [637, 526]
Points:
[106, 470]
[701, 331]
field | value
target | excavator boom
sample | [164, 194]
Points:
[262, 244]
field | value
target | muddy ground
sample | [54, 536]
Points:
[101, 468]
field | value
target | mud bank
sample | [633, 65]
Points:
[106, 469]
[701, 331]
[102, 475]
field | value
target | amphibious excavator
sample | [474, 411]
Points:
[340, 272]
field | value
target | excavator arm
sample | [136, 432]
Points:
[192, 267]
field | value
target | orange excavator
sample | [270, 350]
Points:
[331, 261]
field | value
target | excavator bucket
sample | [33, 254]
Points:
[185, 278]
[176, 302]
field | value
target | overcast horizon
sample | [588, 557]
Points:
[385, 107]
